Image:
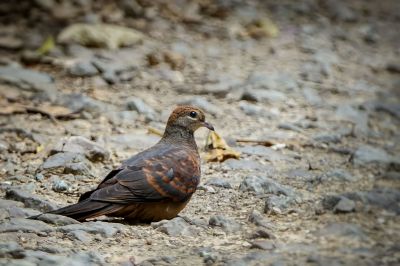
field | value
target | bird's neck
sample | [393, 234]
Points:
[178, 134]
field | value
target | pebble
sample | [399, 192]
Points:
[263, 244]
[275, 204]
[67, 162]
[83, 69]
[55, 219]
[243, 164]
[227, 224]
[175, 227]
[218, 182]
[81, 145]
[366, 154]
[264, 184]
[102, 228]
[344, 205]
[138, 105]
[25, 225]
[30, 201]
[259, 219]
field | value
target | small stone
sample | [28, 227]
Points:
[218, 182]
[312, 96]
[175, 227]
[80, 235]
[263, 244]
[55, 219]
[25, 225]
[203, 104]
[12, 249]
[261, 95]
[83, 69]
[344, 205]
[30, 201]
[81, 145]
[250, 109]
[342, 229]
[138, 105]
[354, 115]
[102, 228]
[67, 162]
[259, 219]
[367, 154]
[60, 186]
[39, 177]
[250, 165]
[262, 232]
[227, 224]
[263, 184]
[17, 212]
[278, 204]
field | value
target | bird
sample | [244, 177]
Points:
[153, 185]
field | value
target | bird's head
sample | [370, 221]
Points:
[188, 117]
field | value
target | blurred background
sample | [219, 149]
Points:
[304, 95]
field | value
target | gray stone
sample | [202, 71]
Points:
[55, 219]
[80, 235]
[344, 205]
[342, 229]
[390, 108]
[358, 117]
[262, 232]
[251, 109]
[257, 258]
[67, 162]
[25, 226]
[208, 254]
[10, 249]
[17, 212]
[78, 103]
[227, 224]
[263, 184]
[81, 145]
[249, 165]
[341, 175]
[259, 219]
[268, 153]
[138, 105]
[5, 204]
[102, 228]
[175, 227]
[385, 198]
[340, 11]
[60, 186]
[83, 69]
[30, 201]
[312, 96]
[275, 204]
[312, 71]
[132, 141]
[263, 244]
[203, 104]
[328, 137]
[288, 126]
[272, 81]
[367, 154]
[75, 259]
[218, 182]
[122, 118]
[260, 95]
[26, 78]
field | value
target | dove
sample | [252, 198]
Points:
[154, 184]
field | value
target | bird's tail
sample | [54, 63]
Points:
[85, 209]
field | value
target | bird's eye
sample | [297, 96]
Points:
[193, 114]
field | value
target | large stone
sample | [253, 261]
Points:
[58, 220]
[30, 201]
[278, 204]
[79, 144]
[385, 198]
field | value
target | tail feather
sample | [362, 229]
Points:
[87, 209]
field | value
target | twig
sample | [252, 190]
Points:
[266, 143]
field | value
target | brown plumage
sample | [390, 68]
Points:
[154, 184]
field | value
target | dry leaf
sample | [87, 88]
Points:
[47, 46]
[100, 35]
[218, 150]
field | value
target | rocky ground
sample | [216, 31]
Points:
[314, 86]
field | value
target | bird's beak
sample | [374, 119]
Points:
[208, 125]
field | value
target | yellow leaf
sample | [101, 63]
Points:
[218, 150]
[47, 46]
[39, 148]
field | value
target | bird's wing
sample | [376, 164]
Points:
[172, 175]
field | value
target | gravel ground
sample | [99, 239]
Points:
[313, 85]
